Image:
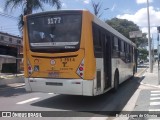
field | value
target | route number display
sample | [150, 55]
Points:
[54, 20]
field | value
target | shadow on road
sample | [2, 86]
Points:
[6, 91]
[103, 104]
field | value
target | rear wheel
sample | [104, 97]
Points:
[116, 82]
[134, 71]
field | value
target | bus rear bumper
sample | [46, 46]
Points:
[60, 86]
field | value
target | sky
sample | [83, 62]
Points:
[132, 10]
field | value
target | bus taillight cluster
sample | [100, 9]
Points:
[29, 69]
[81, 69]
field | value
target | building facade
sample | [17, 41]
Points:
[10, 50]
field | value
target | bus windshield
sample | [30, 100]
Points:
[54, 33]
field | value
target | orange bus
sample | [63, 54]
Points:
[73, 52]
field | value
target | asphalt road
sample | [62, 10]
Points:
[17, 99]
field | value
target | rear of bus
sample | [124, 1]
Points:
[58, 52]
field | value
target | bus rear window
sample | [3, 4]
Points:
[54, 33]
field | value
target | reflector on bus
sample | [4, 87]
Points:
[80, 70]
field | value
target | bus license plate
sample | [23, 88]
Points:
[53, 74]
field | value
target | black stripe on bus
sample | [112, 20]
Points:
[54, 57]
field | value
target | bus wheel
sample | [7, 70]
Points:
[116, 82]
[133, 71]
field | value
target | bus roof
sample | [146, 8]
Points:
[57, 11]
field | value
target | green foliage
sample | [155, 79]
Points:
[29, 6]
[123, 26]
[142, 42]
[143, 53]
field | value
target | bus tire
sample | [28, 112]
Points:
[116, 81]
[134, 71]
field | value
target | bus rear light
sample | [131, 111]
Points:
[81, 74]
[30, 69]
[80, 70]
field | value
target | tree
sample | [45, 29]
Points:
[124, 27]
[96, 8]
[142, 42]
[29, 6]
[143, 53]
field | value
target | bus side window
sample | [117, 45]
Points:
[128, 56]
[122, 46]
[125, 51]
[97, 39]
[119, 45]
[115, 47]
[122, 53]
[131, 53]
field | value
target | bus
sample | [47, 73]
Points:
[73, 52]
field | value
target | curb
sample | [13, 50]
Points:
[149, 85]
[141, 72]
[14, 85]
[4, 82]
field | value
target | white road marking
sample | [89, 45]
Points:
[153, 119]
[154, 103]
[154, 109]
[50, 93]
[98, 118]
[20, 85]
[155, 91]
[155, 98]
[155, 94]
[29, 100]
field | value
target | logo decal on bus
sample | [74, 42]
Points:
[36, 68]
[66, 60]
[64, 64]
[53, 62]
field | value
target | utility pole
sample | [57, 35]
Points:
[149, 41]
[158, 53]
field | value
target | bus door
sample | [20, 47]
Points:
[136, 52]
[107, 60]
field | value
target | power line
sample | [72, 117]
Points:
[147, 26]
[7, 24]
[8, 16]
[9, 27]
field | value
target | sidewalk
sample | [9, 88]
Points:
[148, 102]
[6, 79]
[151, 79]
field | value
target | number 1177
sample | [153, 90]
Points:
[55, 20]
